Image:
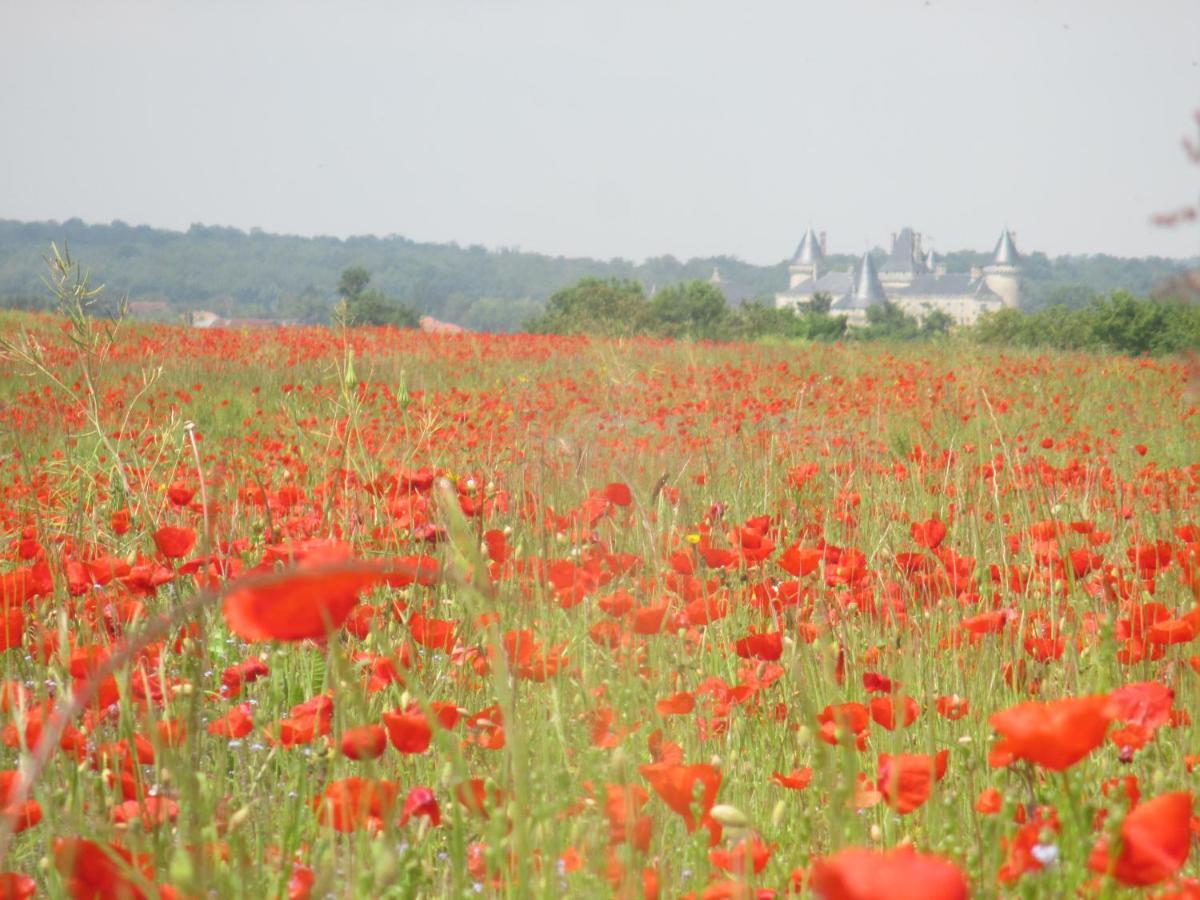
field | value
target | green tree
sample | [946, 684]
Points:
[821, 303]
[606, 306]
[936, 322]
[1128, 325]
[1120, 322]
[353, 282]
[887, 321]
[365, 306]
[692, 309]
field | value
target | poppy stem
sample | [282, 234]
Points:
[190, 428]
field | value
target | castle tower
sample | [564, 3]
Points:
[1003, 274]
[867, 289]
[806, 262]
[867, 292]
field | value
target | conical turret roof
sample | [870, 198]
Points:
[867, 289]
[809, 251]
[1006, 251]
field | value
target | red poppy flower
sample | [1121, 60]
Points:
[303, 604]
[92, 871]
[649, 619]
[1054, 735]
[305, 722]
[1155, 840]
[436, 634]
[180, 493]
[353, 803]
[883, 711]
[121, 522]
[151, 812]
[243, 673]
[174, 543]
[406, 570]
[796, 780]
[20, 817]
[900, 874]
[1021, 855]
[840, 721]
[766, 646]
[930, 533]
[421, 802]
[953, 707]
[1144, 703]
[679, 704]
[409, 732]
[237, 723]
[989, 802]
[475, 797]
[12, 627]
[618, 494]
[678, 786]
[874, 683]
[15, 886]
[799, 561]
[750, 853]
[907, 780]
[364, 742]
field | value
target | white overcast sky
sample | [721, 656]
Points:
[610, 128]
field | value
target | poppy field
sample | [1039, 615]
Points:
[370, 613]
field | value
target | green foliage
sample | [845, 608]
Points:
[612, 307]
[887, 321]
[693, 309]
[246, 275]
[353, 282]
[1120, 322]
[821, 303]
[754, 321]
[370, 307]
[935, 323]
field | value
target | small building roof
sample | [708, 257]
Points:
[836, 284]
[950, 284]
[430, 325]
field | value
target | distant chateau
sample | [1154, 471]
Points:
[911, 278]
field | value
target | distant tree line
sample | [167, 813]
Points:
[698, 310]
[1119, 323]
[241, 274]
[257, 275]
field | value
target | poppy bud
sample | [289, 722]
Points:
[778, 813]
[239, 818]
[729, 816]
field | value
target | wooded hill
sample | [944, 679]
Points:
[254, 274]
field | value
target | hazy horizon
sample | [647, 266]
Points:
[609, 130]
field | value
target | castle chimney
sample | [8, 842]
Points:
[823, 250]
